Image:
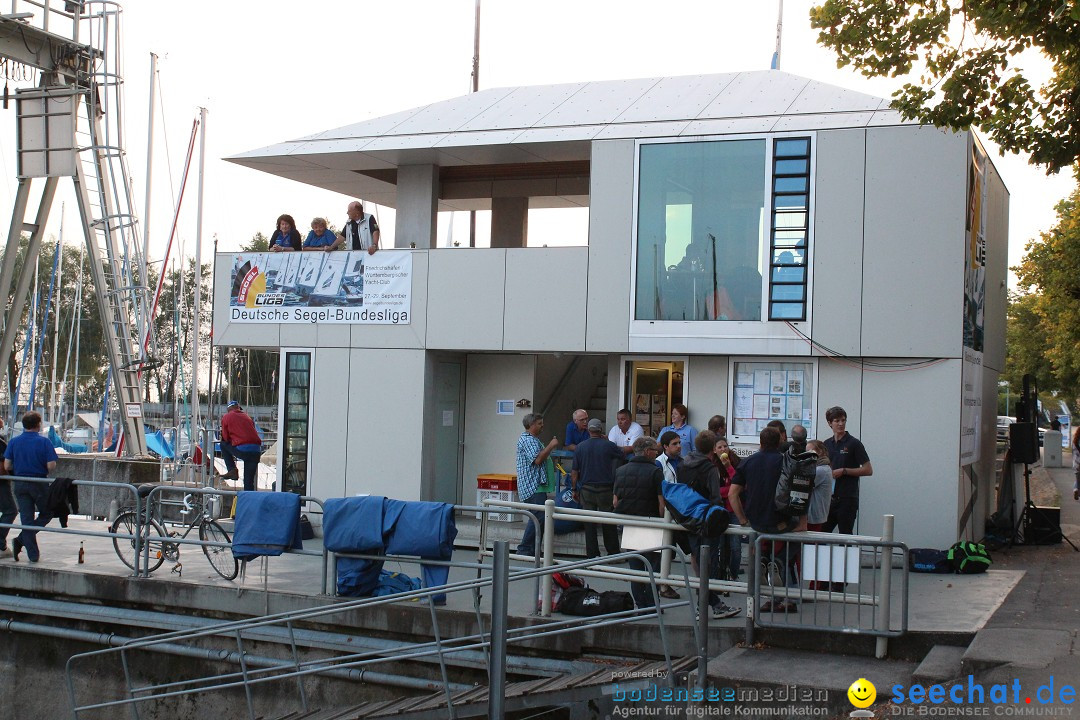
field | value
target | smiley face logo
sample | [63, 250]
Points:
[862, 693]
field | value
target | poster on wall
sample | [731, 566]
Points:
[762, 395]
[974, 304]
[341, 287]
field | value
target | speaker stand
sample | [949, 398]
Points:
[1031, 509]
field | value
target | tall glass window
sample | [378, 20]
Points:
[701, 229]
[296, 405]
[790, 226]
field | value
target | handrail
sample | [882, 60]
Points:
[287, 669]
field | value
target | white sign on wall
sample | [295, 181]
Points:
[350, 287]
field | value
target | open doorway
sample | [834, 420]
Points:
[651, 387]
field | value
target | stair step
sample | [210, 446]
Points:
[941, 664]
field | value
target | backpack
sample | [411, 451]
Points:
[968, 558]
[927, 560]
[796, 483]
[560, 583]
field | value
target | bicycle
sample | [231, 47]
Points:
[154, 533]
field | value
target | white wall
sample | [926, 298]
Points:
[611, 214]
[913, 246]
[491, 439]
[707, 388]
[384, 393]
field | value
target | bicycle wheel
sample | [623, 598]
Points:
[221, 558]
[127, 524]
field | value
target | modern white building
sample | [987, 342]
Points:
[760, 246]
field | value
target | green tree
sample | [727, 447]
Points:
[1044, 335]
[970, 73]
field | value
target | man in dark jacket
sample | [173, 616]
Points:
[699, 472]
[637, 492]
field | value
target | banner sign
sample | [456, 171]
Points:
[322, 287]
[974, 304]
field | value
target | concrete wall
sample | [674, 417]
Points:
[708, 386]
[491, 439]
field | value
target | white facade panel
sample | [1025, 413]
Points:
[545, 299]
[756, 94]
[294, 335]
[611, 213]
[328, 446]
[450, 115]
[837, 254]
[337, 335]
[522, 108]
[910, 427]
[821, 121]
[599, 102]
[468, 289]
[913, 262]
[672, 97]
[491, 439]
[644, 130]
[819, 97]
[708, 387]
[838, 385]
[730, 126]
[385, 390]
[366, 128]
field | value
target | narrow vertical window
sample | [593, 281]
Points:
[296, 405]
[790, 227]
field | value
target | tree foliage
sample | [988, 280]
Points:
[1044, 334]
[967, 52]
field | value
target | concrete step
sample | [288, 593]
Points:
[780, 678]
[940, 665]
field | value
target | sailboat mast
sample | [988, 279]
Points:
[51, 404]
[195, 415]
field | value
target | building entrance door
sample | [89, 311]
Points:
[652, 387]
[449, 387]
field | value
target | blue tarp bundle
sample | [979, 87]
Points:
[687, 506]
[58, 443]
[375, 525]
[267, 523]
[157, 444]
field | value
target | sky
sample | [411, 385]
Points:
[272, 71]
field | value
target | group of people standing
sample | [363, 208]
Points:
[623, 471]
[361, 232]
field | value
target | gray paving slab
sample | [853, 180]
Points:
[942, 663]
[1021, 647]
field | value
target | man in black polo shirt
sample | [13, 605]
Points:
[849, 463]
[595, 461]
[753, 500]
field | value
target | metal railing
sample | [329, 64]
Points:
[492, 639]
[834, 606]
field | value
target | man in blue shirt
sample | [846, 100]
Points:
[30, 455]
[8, 509]
[531, 454]
[576, 432]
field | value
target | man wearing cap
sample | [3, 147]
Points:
[239, 439]
[595, 461]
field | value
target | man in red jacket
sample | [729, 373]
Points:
[239, 439]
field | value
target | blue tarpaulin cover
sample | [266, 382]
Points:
[687, 506]
[68, 447]
[267, 523]
[376, 524]
[157, 444]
